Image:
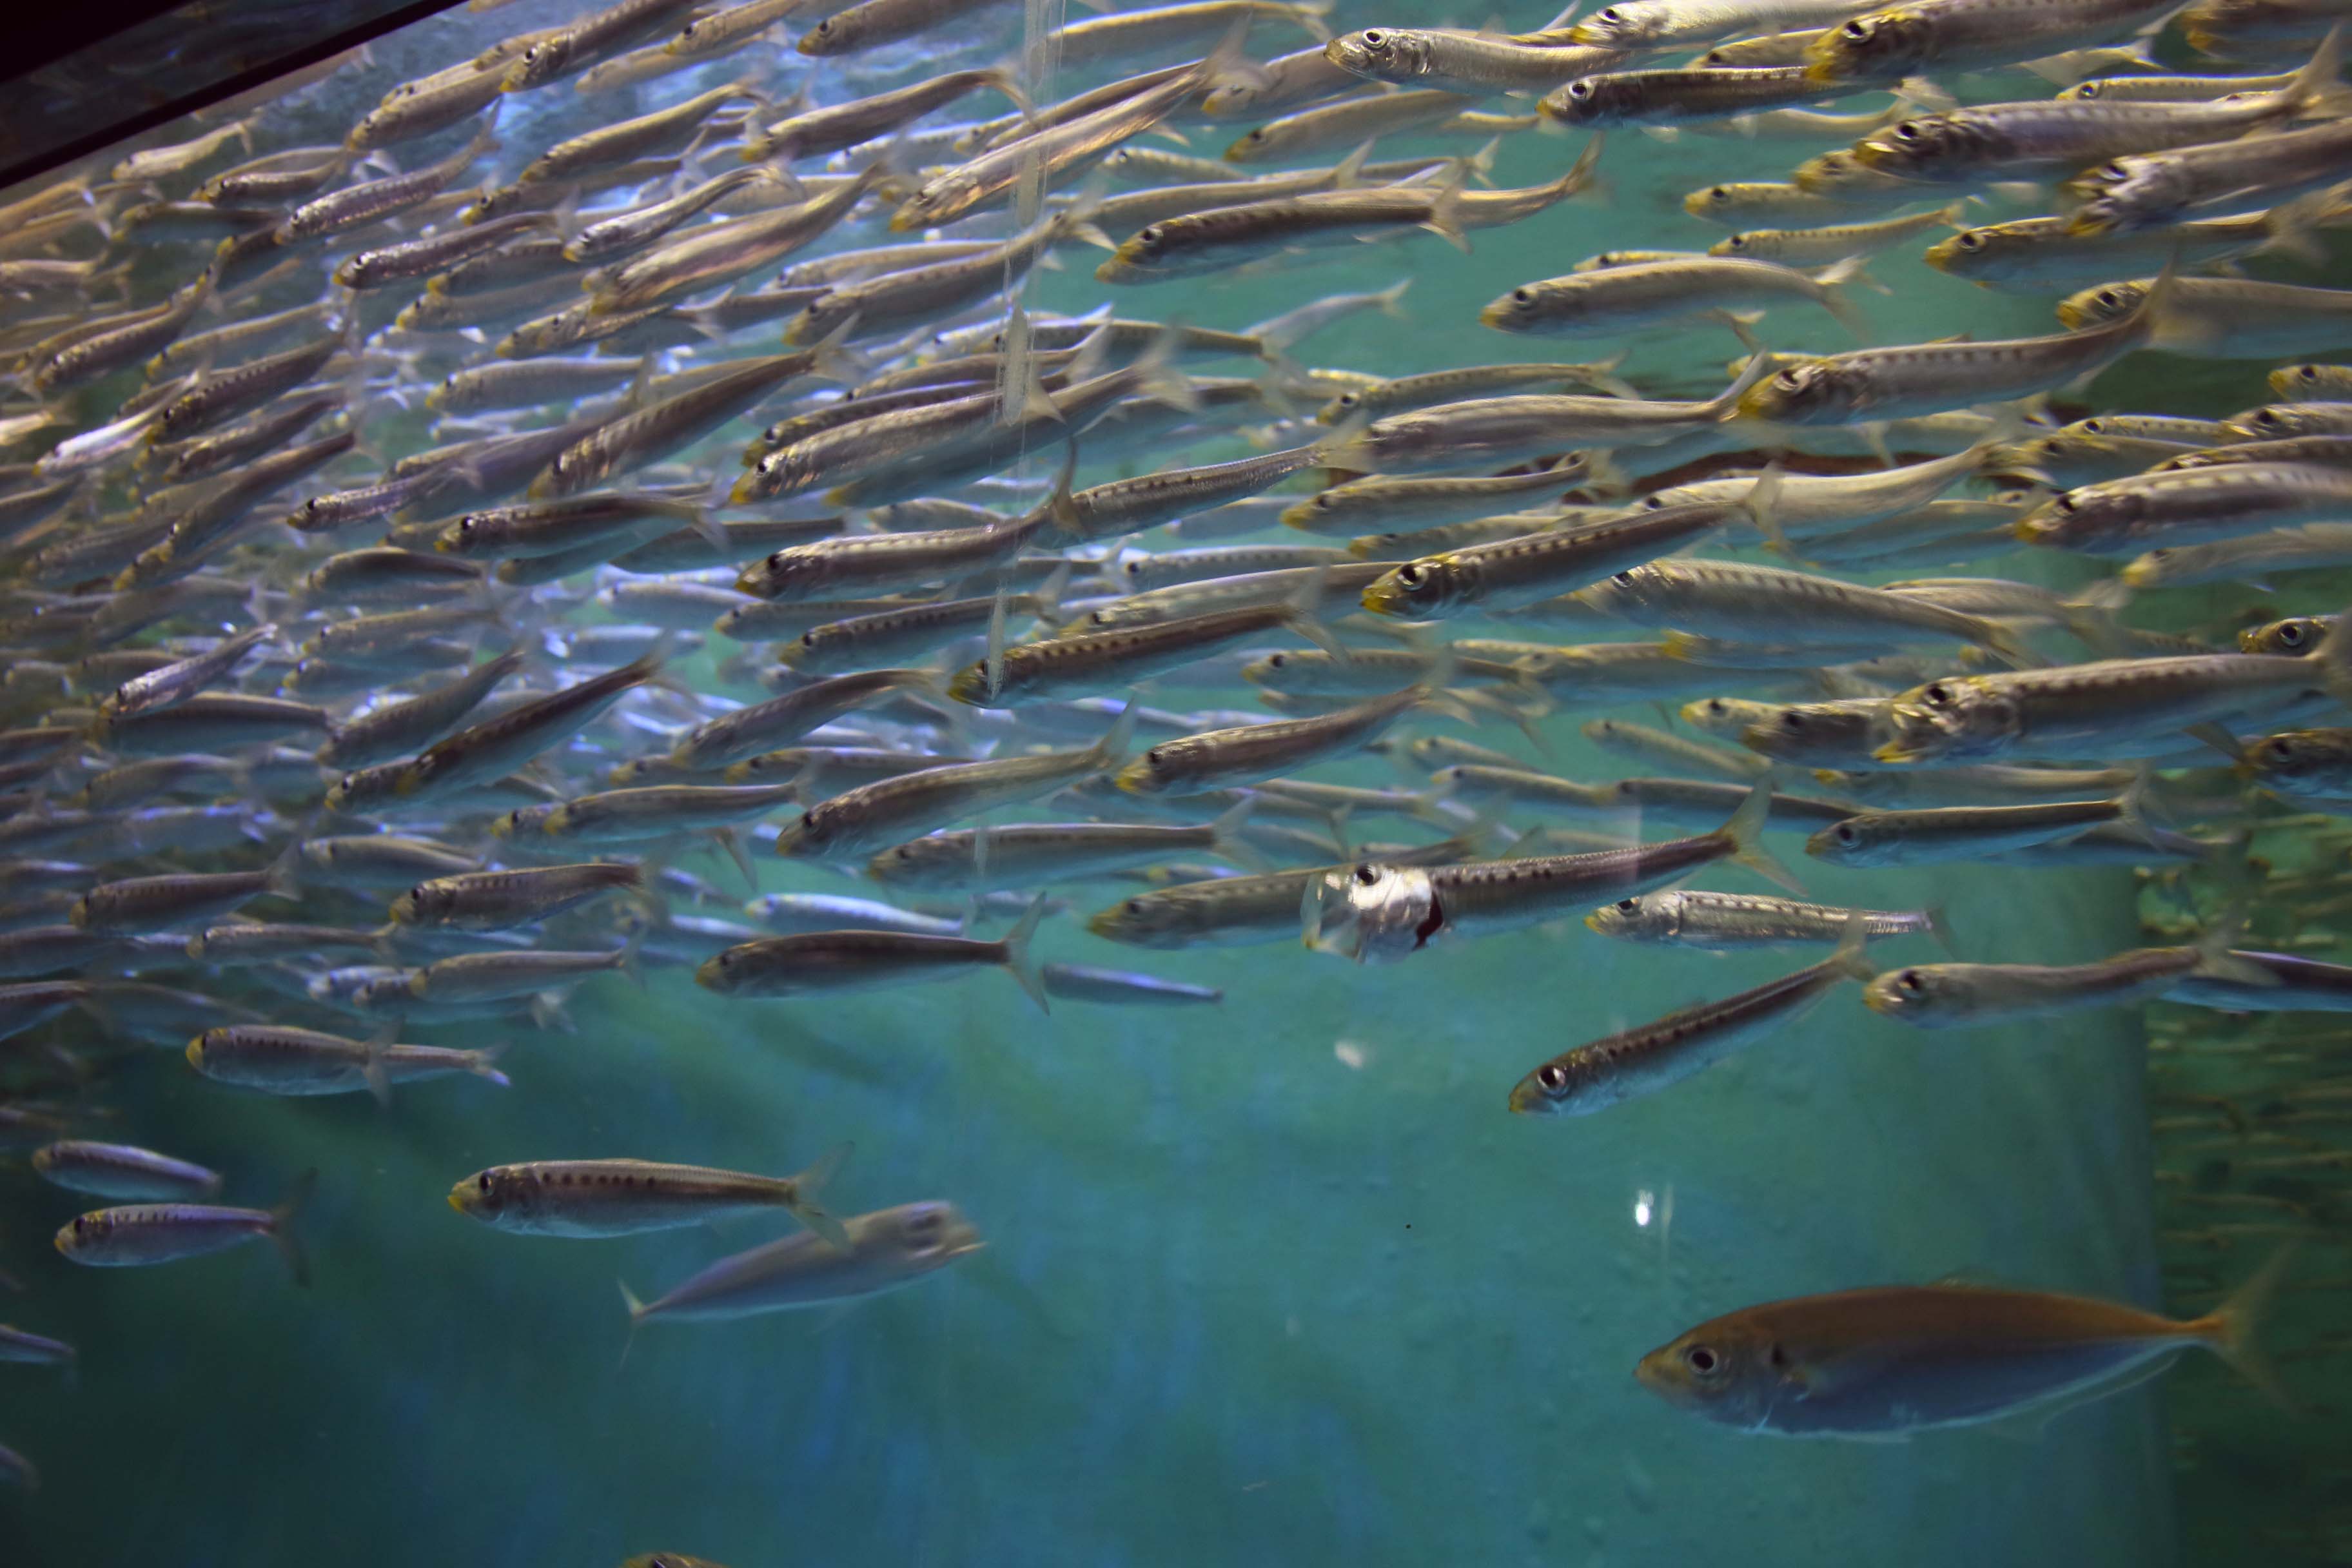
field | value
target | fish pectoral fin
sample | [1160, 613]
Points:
[1970, 1279]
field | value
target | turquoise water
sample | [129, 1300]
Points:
[1275, 1280]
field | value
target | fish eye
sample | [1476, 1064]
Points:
[1624, 579]
[416, 893]
[1971, 240]
[1792, 720]
[1609, 14]
[1149, 233]
[1856, 30]
[1523, 296]
[1909, 130]
[465, 526]
[1736, 242]
[483, 1180]
[1156, 756]
[1372, 38]
[1552, 1078]
[1133, 906]
[1366, 876]
[1845, 833]
[1702, 1361]
[1277, 661]
[2107, 297]
[1788, 378]
[1629, 906]
[1580, 88]
[1911, 980]
[1719, 193]
[2268, 419]
[2289, 635]
[2067, 503]
[1938, 695]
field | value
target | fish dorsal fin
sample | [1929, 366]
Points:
[1969, 1279]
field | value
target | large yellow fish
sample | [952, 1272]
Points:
[1881, 1362]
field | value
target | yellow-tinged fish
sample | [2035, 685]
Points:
[1884, 1363]
[1948, 35]
[1643, 1060]
[140, 1234]
[623, 1197]
[887, 1250]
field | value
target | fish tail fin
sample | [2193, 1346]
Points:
[483, 1063]
[1761, 503]
[1158, 377]
[2229, 1327]
[1838, 300]
[1744, 835]
[803, 1203]
[636, 1315]
[2216, 946]
[732, 842]
[1580, 174]
[2316, 88]
[371, 1069]
[2156, 317]
[1850, 958]
[1390, 302]
[1006, 81]
[1939, 926]
[1225, 835]
[2011, 649]
[1349, 171]
[1444, 219]
[281, 1225]
[1111, 749]
[628, 961]
[1017, 959]
[2334, 656]
[285, 878]
[1304, 614]
[1726, 404]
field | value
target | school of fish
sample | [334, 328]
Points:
[745, 513]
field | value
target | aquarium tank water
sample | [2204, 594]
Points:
[1246, 782]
